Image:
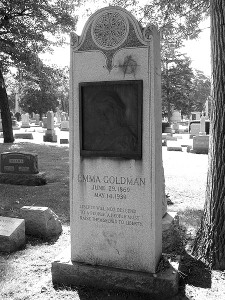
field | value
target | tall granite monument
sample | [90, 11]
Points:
[115, 155]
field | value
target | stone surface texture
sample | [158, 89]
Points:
[24, 135]
[41, 221]
[160, 285]
[116, 204]
[201, 144]
[19, 162]
[12, 234]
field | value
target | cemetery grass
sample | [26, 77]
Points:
[26, 274]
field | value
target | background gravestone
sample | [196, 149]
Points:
[20, 163]
[116, 157]
[50, 135]
[20, 168]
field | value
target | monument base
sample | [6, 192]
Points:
[50, 138]
[23, 179]
[160, 285]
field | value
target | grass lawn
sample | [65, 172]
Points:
[26, 274]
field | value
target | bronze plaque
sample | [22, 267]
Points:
[111, 119]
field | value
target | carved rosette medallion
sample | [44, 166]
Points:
[110, 30]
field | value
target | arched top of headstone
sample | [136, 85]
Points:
[111, 28]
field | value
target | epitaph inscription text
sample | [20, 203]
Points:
[110, 188]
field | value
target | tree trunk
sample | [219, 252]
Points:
[5, 112]
[210, 239]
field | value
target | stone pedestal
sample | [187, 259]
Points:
[161, 285]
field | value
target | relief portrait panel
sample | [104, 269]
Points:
[111, 119]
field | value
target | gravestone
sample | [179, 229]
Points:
[24, 135]
[201, 144]
[12, 234]
[57, 115]
[25, 121]
[176, 116]
[194, 129]
[21, 169]
[202, 126]
[50, 135]
[196, 115]
[37, 119]
[20, 163]
[40, 221]
[44, 122]
[116, 158]
[64, 126]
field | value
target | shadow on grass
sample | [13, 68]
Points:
[93, 293]
[194, 272]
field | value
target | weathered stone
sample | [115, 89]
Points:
[64, 126]
[12, 234]
[24, 135]
[19, 163]
[52, 138]
[160, 285]
[64, 141]
[116, 158]
[41, 221]
[25, 121]
[201, 144]
[50, 135]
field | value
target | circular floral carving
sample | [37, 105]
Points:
[110, 30]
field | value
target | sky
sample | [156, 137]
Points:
[198, 50]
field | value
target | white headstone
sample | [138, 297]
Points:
[202, 126]
[50, 135]
[37, 119]
[25, 121]
[116, 167]
[176, 116]
[50, 120]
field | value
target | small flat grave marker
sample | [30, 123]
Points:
[12, 234]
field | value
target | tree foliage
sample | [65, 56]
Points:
[28, 28]
[45, 92]
[182, 88]
[201, 91]
[177, 78]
